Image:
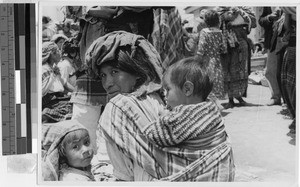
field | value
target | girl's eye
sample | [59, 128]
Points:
[114, 71]
[75, 146]
[87, 142]
[102, 75]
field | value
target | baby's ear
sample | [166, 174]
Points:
[188, 88]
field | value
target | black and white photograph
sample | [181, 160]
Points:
[168, 93]
[163, 93]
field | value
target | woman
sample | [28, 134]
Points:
[236, 24]
[211, 45]
[59, 39]
[131, 73]
[288, 70]
[55, 103]
[68, 64]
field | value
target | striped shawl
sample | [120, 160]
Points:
[124, 120]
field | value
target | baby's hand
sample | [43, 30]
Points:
[163, 111]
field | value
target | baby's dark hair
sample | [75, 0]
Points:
[212, 18]
[72, 136]
[193, 69]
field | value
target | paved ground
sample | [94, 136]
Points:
[262, 149]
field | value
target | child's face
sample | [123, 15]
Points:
[174, 94]
[79, 153]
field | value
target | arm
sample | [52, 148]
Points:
[202, 44]
[74, 177]
[47, 81]
[264, 20]
[102, 12]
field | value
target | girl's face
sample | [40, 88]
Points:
[116, 81]
[55, 56]
[174, 95]
[60, 42]
[79, 153]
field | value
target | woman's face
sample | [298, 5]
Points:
[60, 42]
[55, 56]
[116, 81]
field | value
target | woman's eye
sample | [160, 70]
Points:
[114, 71]
[75, 146]
[102, 75]
[87, 142]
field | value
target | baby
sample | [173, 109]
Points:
[68, 152]
[193, 117]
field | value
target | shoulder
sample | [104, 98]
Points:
[72, 174]
[130, 103]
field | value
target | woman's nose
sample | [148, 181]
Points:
[108, 82]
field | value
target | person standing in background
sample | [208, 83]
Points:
[211, 45]
[288, 72]
[267, 20]
[236, 24]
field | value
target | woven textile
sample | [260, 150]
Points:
[211, 45]
[288, 79]
[167, 35]
[52, 135]
[236, 65]
[177, 127]
[121, 122]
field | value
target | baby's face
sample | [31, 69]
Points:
[174, 95]
[79, 153]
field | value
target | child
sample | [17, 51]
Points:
[193, 117]
[68, 152]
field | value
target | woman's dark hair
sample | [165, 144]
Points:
[137, 65]
[211, 18]
[58, 39]
[193, 69]
[46, 19]
[70, 46]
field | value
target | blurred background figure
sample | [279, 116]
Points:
[268, 20]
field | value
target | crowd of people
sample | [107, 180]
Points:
[126, 98]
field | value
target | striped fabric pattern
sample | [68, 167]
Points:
[167, 35]
[184, 123]
[125, 118]
[288, 79]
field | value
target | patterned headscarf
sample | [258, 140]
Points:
[47, 49]
[105, 49]
[52, 135]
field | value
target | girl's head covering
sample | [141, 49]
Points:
[52, 135]
[70, 46]
[56, 37]
[47, 49]
[105, 49]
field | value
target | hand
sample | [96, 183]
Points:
[274, 16]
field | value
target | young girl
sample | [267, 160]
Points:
[67, 152]
[211, 45]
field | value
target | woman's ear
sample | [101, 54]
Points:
[188, 88]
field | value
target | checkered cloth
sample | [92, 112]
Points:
[55, 105]
[288, 79]
[167, 35]
[177, 127]
[121, 122]
[52, 135]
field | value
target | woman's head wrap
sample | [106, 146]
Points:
[105, 49]
[56, 37]
[70, 46]
[47, 49]
[52, 135]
